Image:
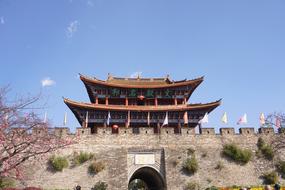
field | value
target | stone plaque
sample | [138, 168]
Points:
[144, 159]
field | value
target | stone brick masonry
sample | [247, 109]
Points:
[117, 152]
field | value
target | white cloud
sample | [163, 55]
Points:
[72, 28]
[47, 82]
[2, 21]
[136, 74]
[90, 3]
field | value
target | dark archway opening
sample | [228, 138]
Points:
[148, 179]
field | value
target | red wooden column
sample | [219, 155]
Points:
[175, 101]
[127, 101]
[96, 100]
[185, 100]
[107, 100]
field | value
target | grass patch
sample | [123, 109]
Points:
[270, 178]
[281, 168]
[58, 163]
[100, 186]
[82, 157]
[265, 149]
[192, 186]
[212, 188]
[96, 167]
[236, 154]
[6, 183]
[191, 165]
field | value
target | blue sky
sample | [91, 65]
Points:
[238, 45]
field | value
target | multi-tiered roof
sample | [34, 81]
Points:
[138, 102]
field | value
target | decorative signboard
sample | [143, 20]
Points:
[148, 93]
[144, 159]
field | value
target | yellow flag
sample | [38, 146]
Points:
[225, 118]
[262, 119]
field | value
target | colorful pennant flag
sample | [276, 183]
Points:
[45, 117]
[148, 118]
[108, 118]
[65, 119]
[128, 119]
[185, 117]
[165, 122]
[278, 122]
[262, 119]
[242, 120]
[225, 118]
[86, 119]
[205, 119]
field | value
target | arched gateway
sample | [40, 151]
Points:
[147, 166]
[151, 178]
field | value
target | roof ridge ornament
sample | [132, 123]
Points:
[110, 77]
[139, 77]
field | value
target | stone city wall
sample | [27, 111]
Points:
[116, 151]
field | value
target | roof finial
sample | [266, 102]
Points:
[109, 76]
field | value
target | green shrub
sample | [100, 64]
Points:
[82, 157]
[267, 152]
[212, 188]
[236, 154]
[270, 178]
[192, 186]
[96, 167]
[6, 183]
[100, 186]
[260, 143]
[191, 165]
[281, 168]
[58, 163]
[264, 149]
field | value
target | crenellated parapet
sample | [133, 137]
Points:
[227, 131]
[248, 131]
[266, 130]
[61, 131]
[164, 131]
[207, 131]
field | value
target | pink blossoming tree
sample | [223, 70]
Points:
[18, 119]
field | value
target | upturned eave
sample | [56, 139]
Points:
[88, 80]
[161, 108]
